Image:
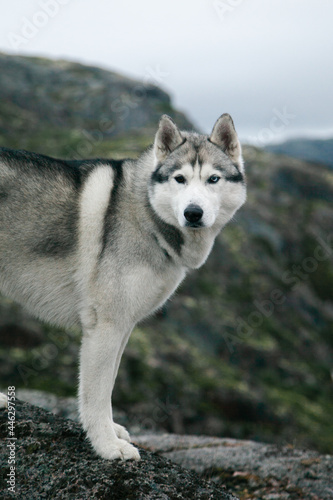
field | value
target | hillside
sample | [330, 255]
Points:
[316, 150]
[245, 347]
[70, 110]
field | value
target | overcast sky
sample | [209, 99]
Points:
[266, 62]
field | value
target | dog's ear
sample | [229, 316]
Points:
[167, 138]
[224, 135]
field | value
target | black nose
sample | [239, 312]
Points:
[193, 213]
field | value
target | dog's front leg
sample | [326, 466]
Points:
[100, 352]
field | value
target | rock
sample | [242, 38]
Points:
[54, 460]
[265, 471]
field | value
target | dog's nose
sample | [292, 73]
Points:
[193, 213]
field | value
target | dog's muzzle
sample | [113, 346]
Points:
[193, 214]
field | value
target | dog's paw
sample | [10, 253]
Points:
[115, 448]
[3, 400]
[121, 432]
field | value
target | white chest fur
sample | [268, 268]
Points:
[137, 291]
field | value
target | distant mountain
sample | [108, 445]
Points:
[75, 110]
[317, 150]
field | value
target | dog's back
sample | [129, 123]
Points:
[39, 218]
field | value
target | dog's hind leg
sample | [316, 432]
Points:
[100, 356]
[3, 400]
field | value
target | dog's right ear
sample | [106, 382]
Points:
[167, 138]
[224, 135]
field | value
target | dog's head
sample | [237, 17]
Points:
[198, 180]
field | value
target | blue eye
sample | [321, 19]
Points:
[213, 179]
[180, 179]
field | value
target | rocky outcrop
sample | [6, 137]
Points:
[54, 460]
[251, 470]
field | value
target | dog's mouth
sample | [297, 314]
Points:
[194, 225]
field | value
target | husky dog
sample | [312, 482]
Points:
[104, 243]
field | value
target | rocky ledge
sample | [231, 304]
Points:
[54, 460]
[250, 470]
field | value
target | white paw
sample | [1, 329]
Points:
[3, 400]
[115, 448]
[121, 432]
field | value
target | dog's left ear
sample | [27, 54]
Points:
[224, 135]
[167, 138]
